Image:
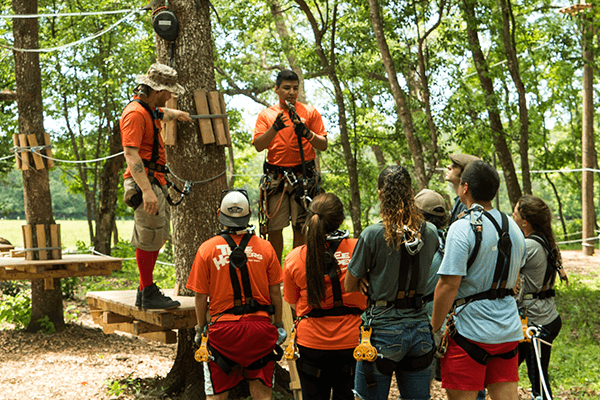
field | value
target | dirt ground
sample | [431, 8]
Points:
[84, 363]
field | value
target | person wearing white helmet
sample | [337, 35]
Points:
[240, 273]
[145, 156]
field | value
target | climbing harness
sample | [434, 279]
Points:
[237, 261]
[407, 298]
[533, 333]
[153, 166]
[498, 289]
[553, 265]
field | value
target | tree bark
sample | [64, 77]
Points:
[510, 49]
[504, 154]
[328, 62]
[399, 97]
[36, 184]
[107, 201]
[8, 96]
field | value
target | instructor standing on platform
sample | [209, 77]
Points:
[279, 129]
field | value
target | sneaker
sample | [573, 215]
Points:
[138, 298]
[154, 299]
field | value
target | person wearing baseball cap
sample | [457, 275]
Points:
[146, 162]
[460, 162]
[241, 274]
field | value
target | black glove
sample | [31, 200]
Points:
[279, 124]
[302, 130]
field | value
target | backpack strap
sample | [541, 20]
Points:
[550, 275]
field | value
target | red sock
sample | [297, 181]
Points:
[146, 261]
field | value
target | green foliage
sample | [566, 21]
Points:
[16, 309]
[47, 326]
[115, 388]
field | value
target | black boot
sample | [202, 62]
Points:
[154, 299]
[138, 298]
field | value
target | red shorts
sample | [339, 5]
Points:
[461, 372]
[244, 342]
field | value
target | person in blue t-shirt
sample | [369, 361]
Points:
[484, 329]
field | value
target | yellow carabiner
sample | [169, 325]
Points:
[291, 351]
[365, 350]
[524, 326]
[203, 354]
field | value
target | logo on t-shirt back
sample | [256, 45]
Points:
[222, 260]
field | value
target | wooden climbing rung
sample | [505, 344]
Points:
[115, 310]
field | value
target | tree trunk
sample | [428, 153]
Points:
[36, 185]
[399, 96]
[328, 62]
[513, 67]
[504, 154]
[107, 201]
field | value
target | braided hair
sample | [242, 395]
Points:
[535, 211]
[325, 215]
[398, 209]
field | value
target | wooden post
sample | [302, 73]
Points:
[36, 237]
[48, 151]
[169, 129]
[17, 155]
[202, 109]
[225, 120]
[25, 160]
[37, 159]
[218, 126]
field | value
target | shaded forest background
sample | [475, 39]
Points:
[396, 82]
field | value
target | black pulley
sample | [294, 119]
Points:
[165, 24]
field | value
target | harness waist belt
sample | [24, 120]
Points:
[491, 294]
[415, 302]
[546, 294]
[296, 169]
[334, 312]
[477, 353]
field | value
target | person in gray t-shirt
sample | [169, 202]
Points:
[536, 297]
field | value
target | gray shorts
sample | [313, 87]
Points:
[150, 232]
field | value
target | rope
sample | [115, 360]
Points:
[197, 182]
[78, 42]
[73, 14]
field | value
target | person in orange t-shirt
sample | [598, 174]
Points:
[312, 282]
[279, 129]
[241, 275]
[143, 147]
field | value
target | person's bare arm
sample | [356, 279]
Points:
[444, 295]
[201, 301]
[351, 283]
[136, 167]
[171, 114]
[318, 142]
[275, 293]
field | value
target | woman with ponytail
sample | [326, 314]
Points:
[536, 295]
[328, 318]
[392, 258]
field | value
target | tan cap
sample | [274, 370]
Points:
[161, 77]
[235, 210]
[431, 202]
[463, 160]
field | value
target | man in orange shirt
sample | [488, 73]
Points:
[144, 177]
[241, 275]
[280, 129]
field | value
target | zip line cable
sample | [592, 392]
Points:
[73, 14]
[78, 42]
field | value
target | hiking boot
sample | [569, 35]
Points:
[138, 298]
[154, 299]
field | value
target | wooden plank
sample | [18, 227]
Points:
[215, 109]
[25, 160]
[168, 337]
[28, 240]
[55, 241]
[16, 143]
[169, 129]
[225, 120]
[112, 318]
[288, 324]
[202, 109]
[140, 327]
[40, 233]
[49, 284]
[37, 159]
[11, 275]
[48, 151]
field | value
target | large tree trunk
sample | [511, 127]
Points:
[402, 106]
[504, 154]
[510, 48]
[36, 185]
[107, 201]
[328, 62]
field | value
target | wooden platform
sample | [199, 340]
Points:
[116, 311]
[17, 268]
